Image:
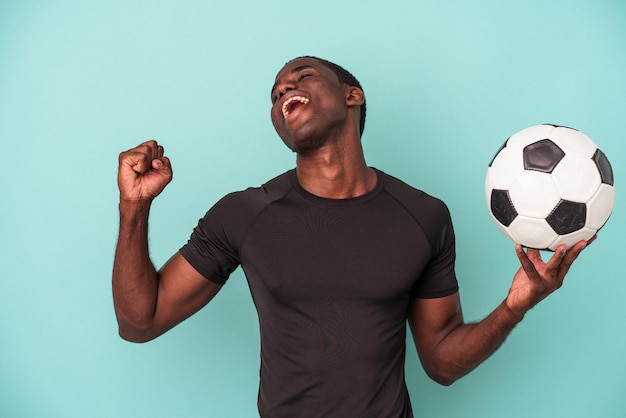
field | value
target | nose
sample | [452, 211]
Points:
[284, 87]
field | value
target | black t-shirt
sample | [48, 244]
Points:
[331, 280]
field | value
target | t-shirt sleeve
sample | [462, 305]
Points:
[438, 278]
[212, 246]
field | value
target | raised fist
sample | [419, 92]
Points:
[143, 172]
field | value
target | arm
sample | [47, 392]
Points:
[149, 302]
[449, 348]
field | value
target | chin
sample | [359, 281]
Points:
[304, 145]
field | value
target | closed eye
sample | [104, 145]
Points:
[302, 72]
[300, 77]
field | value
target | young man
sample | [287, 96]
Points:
[338, 257]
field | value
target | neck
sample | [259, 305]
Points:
[335, 171]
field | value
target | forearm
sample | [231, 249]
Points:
[135, 279]
[468, 345]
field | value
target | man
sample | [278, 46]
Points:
[338, 257]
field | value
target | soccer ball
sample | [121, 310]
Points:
[549, 185]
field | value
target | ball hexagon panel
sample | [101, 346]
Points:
[576, 178]
[570, 239]
[530, 135]
[498, 152]
[600, 206]
[532, 232]
[534, 194]
[573, 142]
[506, 168]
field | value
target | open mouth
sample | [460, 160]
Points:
[292, 103]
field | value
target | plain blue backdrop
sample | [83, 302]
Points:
[446, 82]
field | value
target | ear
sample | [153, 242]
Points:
[354, 96]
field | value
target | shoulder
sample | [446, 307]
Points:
[248, 202]
[430, 212]
[228, 220]
[414, 200]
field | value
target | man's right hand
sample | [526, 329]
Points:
[143, 172]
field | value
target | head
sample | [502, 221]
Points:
[344, 77]
[333, 92]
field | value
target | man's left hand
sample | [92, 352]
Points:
[536, 279]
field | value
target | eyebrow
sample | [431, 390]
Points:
[293, 71]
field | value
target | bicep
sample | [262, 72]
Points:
[182, 292]
[431, 320]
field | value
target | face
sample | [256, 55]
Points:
[309, 103]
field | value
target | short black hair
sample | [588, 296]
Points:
[346, 77]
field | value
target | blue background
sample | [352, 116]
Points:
[446, 82]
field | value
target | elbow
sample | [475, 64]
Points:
[135, 333]
[443, 380]
[135, 336]
[445, 376]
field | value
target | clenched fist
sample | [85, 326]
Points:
[143, 172]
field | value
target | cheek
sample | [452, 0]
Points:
[275, 116]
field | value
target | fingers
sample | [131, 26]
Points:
[142, 157]
[557, 266]
[526, 262]
[162, 164]
[535, 268]
[571, 255]
[149, 151]
[595, 237]
[144, 171]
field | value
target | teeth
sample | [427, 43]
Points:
[290, 100]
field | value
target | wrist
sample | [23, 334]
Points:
[514, 315]
[134, 207]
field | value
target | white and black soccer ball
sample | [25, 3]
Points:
[549, 185]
